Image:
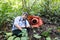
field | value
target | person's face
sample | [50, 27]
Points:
[25, 16]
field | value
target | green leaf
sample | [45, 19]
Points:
[17, 38]
[48, 38]
[37, 36]
[45, 33]
[8, 34]
[11, 38]
[24, 38]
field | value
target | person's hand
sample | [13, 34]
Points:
[20, 28]
[28, 26]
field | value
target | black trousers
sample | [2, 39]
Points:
[17, 32]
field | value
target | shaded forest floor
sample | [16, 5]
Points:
[48, 29]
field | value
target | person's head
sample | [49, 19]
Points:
[24, 15]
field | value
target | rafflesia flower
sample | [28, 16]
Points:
[35, 21]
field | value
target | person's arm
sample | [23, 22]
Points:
[16, 23]
[18, 26]
[27, 23]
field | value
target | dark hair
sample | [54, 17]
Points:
[25, 13]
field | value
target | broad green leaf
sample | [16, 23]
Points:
[48, 38]
[8, 34]
[24, 38]
[17, 38]
[11, 38]
[37, 36]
